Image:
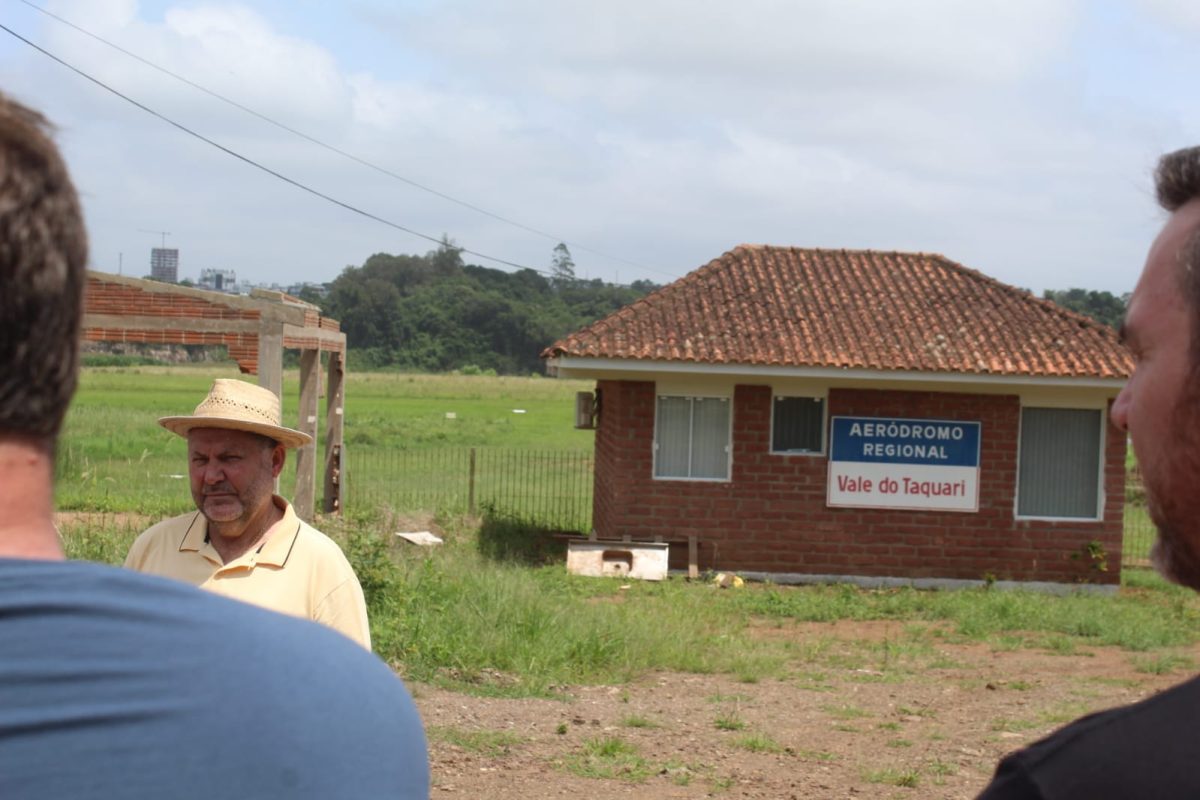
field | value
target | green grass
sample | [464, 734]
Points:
[103, 538]
[636, 721]
[456, 617]
[729, 722]
[610, 757]
[906, 777]
[728, 698]
[403, 449]
[488, 743]
[1014, 725]
[920, 711]
[409, 411]
[1150, 614]
[845, 711]
[467, 617]
[1164, 663]
[759, 743]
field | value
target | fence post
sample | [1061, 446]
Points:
[471, 486]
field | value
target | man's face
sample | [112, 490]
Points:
[1159, 405]
[232, 475]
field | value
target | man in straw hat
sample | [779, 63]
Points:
[126, 686]
[245, 541]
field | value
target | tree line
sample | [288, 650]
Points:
[435, 313]
[1104, 307]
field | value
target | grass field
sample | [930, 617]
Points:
[478, 614]
[114, 457]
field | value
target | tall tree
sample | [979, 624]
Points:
[562, 266]
[447, 259]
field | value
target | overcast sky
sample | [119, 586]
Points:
[1014, 136]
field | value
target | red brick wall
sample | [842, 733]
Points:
[771, 516]
[113, 298]
[103, 297]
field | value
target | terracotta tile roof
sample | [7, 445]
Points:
[759, 305]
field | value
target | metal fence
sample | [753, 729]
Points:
[550, 488]
[1139, 530]
[553, 488]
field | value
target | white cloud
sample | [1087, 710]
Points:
[662, 131]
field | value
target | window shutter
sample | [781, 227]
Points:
[1059, 474]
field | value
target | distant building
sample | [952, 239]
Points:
[320, 289]
[164, 264]
[219, 280]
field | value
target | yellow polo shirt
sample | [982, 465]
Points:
[295, 570]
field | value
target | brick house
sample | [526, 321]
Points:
[817, 415]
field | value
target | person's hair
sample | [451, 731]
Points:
[266, 442]
[1177, 182]
[43, 256]
[1177, 178]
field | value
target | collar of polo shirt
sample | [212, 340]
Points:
[273, 551]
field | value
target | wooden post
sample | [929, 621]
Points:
[335, 474]
[306, 456]
[471, 486]
[693, 558]
[270, 365]
[270, 360]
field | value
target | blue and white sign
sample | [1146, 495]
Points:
[925, 464]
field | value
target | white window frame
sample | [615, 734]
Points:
[824, 398]
[1101, 499]
[728, 440]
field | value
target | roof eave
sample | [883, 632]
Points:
[564, 366]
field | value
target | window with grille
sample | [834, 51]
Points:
[798, 425]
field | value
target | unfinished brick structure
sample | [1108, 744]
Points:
[255, 330]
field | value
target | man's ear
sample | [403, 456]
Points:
[278, 456]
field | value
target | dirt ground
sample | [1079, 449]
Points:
[870, 710]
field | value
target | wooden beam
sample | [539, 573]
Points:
[335, 474]
[306, 456]
[326, 337]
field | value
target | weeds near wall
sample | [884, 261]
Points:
[1094, 554]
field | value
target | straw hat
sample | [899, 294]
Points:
[238, 406]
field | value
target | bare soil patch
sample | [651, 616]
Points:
[867, 710]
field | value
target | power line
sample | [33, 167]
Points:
[333, 148]
[257, 165]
